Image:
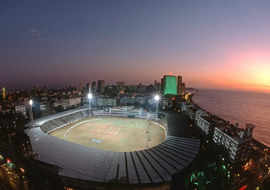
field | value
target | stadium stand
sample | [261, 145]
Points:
[154, 165]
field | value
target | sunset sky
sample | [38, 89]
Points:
[212, 44]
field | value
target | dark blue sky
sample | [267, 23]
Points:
[72, 41]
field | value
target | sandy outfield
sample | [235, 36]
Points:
[113, 133]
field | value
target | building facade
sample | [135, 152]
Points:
[201, 121]
[20, 109]
[101, 86]
[236, 144]
[67, 103]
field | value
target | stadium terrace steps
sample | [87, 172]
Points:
[113, 172]
[142, 174]
[155, 165]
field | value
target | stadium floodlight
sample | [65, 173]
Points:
[89, 96]
[31, 111]
[157, 98]
[31, 102]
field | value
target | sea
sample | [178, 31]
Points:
[239, 107]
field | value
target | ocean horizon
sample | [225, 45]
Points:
[239, 107]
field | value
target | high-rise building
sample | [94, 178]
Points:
[87, 85]
[179, 85]
[94, 87]
[120, 84]
[157, 86]
[169, 85]
[162, 85]
[87, 88]
[101, 86]
[3, 93]
[172, 85]
[183, 88]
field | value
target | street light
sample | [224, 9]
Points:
[157, 99]
[31, 111]
[90, 97]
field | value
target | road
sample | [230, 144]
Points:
[180, 125]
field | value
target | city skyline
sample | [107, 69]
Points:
[222, 45]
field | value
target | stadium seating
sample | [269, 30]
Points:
[62, 120]
[153, 165]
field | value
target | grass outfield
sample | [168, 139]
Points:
[113, 133]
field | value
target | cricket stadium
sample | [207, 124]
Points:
[121, 145]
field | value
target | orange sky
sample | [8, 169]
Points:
[247, 70]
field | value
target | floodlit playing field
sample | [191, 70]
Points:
[113, 133]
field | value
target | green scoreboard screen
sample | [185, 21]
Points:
[170, 85]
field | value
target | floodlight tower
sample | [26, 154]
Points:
[157, 99]
[90, 97]
[31, 110]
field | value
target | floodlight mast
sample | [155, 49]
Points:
[157, 99]
[89, 97]
[31, 110]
